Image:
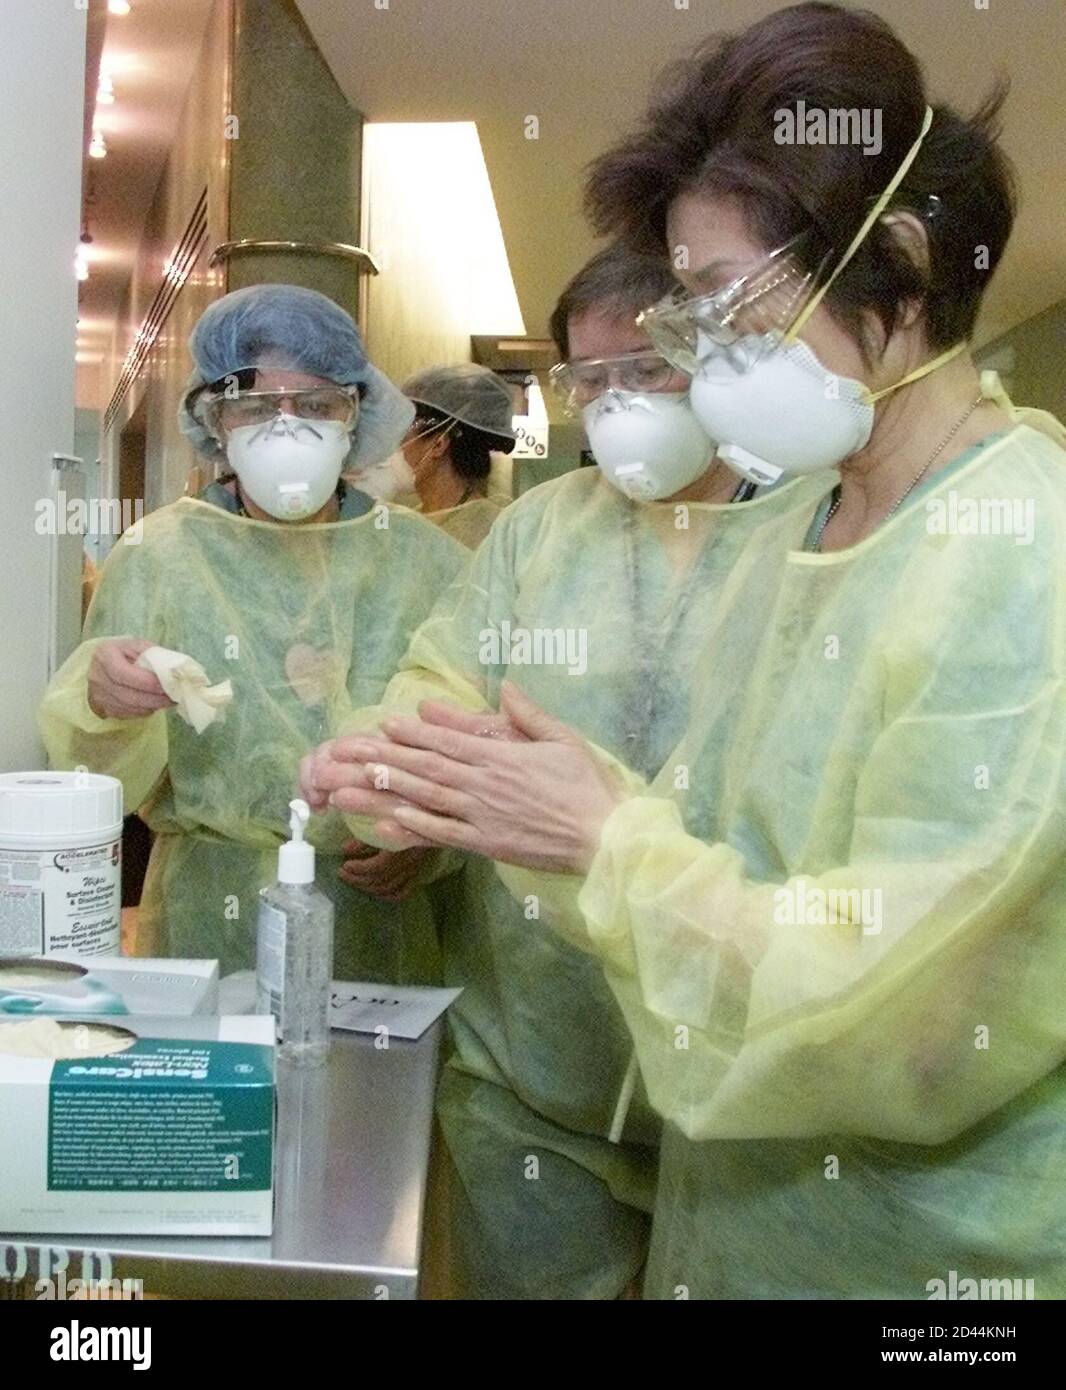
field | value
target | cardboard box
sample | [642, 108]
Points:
[62, 986]
[174, 1134]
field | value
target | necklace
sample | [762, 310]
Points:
[815, 544]
[468, 493]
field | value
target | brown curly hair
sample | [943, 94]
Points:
[710, 127]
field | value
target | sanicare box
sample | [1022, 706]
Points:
[137, 1126]
[60, 986]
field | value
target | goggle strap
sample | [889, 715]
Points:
[864, 230]
[443, 430]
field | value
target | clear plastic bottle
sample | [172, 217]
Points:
[294, 950]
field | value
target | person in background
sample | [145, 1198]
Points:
[444, 465]
[839, 940]
[595, 590]
[281, 579]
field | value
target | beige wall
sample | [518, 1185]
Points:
[1031, 359]
[431, 224]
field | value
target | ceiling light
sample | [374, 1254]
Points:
[81, 264]
[97, 148]
[105, 92]
[118, 6]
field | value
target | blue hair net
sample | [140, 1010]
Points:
[300, 330]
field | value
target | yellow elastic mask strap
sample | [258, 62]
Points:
[864, 230]
[927, 370]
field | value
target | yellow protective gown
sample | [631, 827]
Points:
[836, 921]
[304, 620]
[597, 607]
[469, 523]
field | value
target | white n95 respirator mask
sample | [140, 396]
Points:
[785, 413]
[289, 466]
[392, 477]
[648, 445]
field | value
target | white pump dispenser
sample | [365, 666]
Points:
[296, 858]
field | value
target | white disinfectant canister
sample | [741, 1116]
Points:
[60, 864]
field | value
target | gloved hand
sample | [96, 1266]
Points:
[118, 687]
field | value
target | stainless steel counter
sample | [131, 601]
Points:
[351, 1161]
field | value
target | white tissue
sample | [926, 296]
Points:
[185, 681]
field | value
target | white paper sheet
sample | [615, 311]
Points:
[405, 1010]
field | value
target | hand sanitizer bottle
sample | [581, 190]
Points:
[294, 963]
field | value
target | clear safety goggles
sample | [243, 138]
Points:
[315, 404]
[422, 427]
[738, 321]
[577, 384]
